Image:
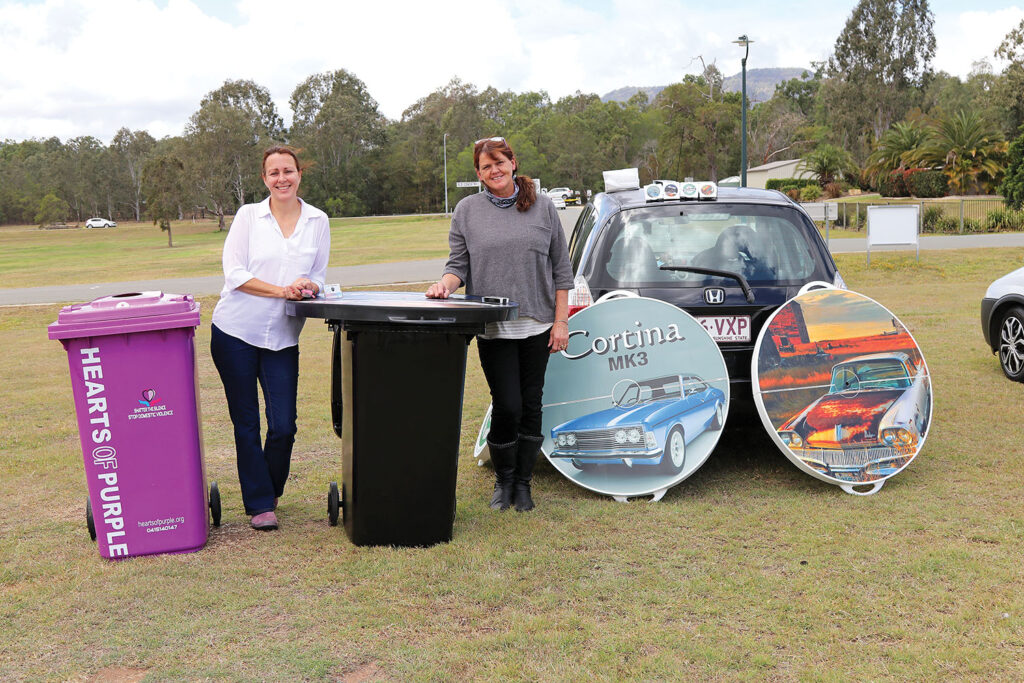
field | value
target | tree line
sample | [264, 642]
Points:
[873, 108]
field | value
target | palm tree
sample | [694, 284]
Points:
[895, 150]
[828, 163]
[968, 149]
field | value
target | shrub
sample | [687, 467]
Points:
[810, 193]
[793, 194]
[972, 225]
[52, 209]
[926, 183]
[934, 219]
[833, 190]
[930, 218]
[786, 184]
[893, 185]
[1004, 220]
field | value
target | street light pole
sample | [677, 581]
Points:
[745, 42]
[444, 140]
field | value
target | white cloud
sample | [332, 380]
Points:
[78, 67]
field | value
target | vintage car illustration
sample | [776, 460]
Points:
[869, 424]
[650, 423]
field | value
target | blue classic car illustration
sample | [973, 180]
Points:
[869, 424]
[650, 423]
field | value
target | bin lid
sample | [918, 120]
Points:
[128, 312]
[406, 308]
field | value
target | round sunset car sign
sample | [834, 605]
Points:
[842, 388]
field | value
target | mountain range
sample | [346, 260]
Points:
[760, 85]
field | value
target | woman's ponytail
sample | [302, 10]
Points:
[527, 193]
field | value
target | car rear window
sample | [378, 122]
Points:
[765, 244]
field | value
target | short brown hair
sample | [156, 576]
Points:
[279, 149]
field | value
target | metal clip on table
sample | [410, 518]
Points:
[397, 379]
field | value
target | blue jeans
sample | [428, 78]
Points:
[515, 369]
[262, 469]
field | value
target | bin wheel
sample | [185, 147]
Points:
[215, 503]
[333, 504]
[90, 524]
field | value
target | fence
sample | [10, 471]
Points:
[951, 216]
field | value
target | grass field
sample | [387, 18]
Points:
[749, 570]
[30, 257]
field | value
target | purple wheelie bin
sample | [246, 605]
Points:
[133, 374]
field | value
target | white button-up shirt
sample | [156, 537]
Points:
[256, 248]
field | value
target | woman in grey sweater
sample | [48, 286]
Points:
[508, 241]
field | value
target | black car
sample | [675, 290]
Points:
[728, 256]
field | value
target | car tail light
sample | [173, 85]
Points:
[579, 295]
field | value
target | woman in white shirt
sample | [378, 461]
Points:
[275, 250]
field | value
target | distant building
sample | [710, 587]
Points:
[790, 168]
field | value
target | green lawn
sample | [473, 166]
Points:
[30, 257]
[749, 570]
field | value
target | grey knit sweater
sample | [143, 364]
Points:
[506, 252]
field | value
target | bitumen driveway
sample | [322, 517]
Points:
[425, 271]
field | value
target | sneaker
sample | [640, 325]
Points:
[265, 521]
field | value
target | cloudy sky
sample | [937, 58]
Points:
[88, 67]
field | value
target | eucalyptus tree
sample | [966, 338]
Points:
[1010, 89]
[880, 62]
[265, 124]
[700, 136]
[341, 130]
[165, 190]
[226, 137]
[415, 155]
[89, 177]
[131, 149]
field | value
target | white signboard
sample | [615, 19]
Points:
[820, 211]
[893, 224]
[468, 183]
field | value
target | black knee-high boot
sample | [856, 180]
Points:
[503, 457]
[526, 458]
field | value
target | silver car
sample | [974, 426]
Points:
[1002, 322]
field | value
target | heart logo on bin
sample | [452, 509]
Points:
[148, 397]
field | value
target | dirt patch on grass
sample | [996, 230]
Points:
[119, 674]
[364, 673]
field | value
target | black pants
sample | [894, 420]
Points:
[515, 369]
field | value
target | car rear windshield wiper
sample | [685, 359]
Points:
[747, 292]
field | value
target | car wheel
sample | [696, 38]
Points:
[1011, 344]
[719, 419]
[674, 456]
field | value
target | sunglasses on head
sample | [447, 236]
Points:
[495, 139]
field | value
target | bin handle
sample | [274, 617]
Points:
[337, 406]
[438, 321]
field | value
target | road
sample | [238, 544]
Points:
[416, 271]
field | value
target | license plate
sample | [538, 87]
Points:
[726, 328]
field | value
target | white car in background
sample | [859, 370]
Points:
[100, 223]
[565, 194]
[1002, 322]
